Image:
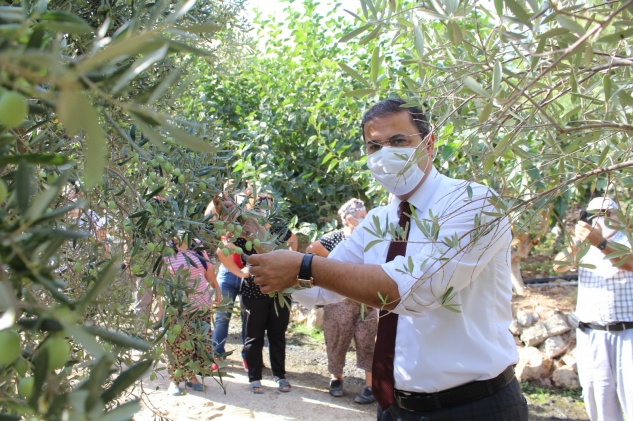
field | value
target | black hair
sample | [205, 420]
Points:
[393, 106]
[172, 244]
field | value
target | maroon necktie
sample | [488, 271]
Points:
[382, 367]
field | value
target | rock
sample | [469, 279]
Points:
[566, 377]
[315, 318]
[298, 313]
[518, 342]
[535, 335]
[525, 318]
[515, 328]
[544, 383]
[555, 325]
[532, 365]
[544, 313]
[554, 346]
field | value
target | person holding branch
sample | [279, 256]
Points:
[604, 337]
[436, 261]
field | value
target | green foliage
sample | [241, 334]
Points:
[302, 329]
[288, 118]
[532, 98]
[542, 395]
[93, 171]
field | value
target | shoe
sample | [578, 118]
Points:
[245, 364]
[256, 387]
[198, 387]
[284, 385]
[365, 397]
[336, 388]
[173, 389]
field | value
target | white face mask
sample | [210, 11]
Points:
[395, 169]
[606, 231]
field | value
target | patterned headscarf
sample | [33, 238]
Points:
[350, 207]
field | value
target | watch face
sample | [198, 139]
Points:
[305, 283]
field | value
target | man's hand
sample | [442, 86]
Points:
[584, 231]
[275, 271]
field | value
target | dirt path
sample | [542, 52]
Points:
[308, 399]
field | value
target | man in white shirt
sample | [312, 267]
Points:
[447, 291]
[604, 338]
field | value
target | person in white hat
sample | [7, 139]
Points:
[604, 338]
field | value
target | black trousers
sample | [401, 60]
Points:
[508, 404]
[265, 315]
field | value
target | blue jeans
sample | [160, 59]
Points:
[230, 286]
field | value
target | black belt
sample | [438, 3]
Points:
[469, 392]
[610, 327]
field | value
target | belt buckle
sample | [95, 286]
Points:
[613, 327]
[416, 402]
[401, 399]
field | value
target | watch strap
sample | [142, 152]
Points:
[305, 270]
[602, 245]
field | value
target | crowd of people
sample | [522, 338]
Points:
[422, 285]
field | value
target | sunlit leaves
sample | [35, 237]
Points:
[448, 296]
[85, 73]
[419, 41]
[79, 117]
[474, 86]
[570, 25]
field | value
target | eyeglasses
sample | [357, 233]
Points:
[398, 141]
[602, 212]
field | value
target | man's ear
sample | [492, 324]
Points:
[430, 139]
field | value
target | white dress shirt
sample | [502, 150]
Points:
[605, 293]
[436, 348]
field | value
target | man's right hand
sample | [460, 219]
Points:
[275, 271]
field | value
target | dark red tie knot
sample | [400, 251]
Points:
[404, 210]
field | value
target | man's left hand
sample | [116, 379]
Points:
[275, 271]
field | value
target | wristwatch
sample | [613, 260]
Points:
[602, 245]
[304, 278]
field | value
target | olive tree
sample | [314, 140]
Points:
[97, 172]
[287, 114]
[532, 98]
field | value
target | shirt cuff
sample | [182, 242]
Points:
[316, 297]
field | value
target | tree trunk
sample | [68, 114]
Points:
[521, 246]
[517, 279]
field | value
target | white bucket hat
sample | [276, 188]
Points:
[602, 203]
